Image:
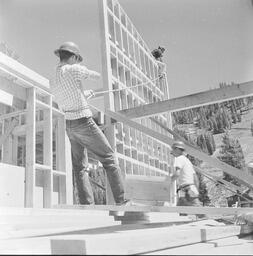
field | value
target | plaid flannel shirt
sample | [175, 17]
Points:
[67, 89]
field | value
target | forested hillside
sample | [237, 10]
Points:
[200, 126]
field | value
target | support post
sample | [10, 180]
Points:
[30, 148]
[47, 155]
[107, 80]
[60, 158]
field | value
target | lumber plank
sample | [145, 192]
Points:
[48, 154]
[228, 184]
[193, 100]
[30, 148]
[151, 208]
[60, 158]
[236, 173]
[18, 70]
[107, 78]
[201, 248]
[139, 241]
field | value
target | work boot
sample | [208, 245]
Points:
[126, 202]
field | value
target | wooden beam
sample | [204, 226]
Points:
[138, 240]
[61, 158]
[48, 154]
[30, 148]
[236, 173]
[193, 100]
[227, 185]
[219, 180]
[107, 78]
[217, 211]
[8, 64]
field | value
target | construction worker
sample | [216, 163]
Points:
[186, 177]
[158, 53]
[68, 87]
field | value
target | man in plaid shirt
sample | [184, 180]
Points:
[68, 87]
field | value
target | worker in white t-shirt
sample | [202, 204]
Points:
[186, 177]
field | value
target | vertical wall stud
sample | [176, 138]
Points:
[48, 154]
[30, 148]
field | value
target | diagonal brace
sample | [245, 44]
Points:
[244, 178]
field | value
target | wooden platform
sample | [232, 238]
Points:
[80, 231]
[142, 240]
[14, 221]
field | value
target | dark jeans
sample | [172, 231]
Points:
[84, 134]
[185, 199]
[188, 201]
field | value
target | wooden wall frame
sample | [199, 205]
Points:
[32, 88]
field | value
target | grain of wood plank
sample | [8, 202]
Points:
[138, 241]
[149, 208]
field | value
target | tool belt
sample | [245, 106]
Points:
[188, 191]
[183, 187]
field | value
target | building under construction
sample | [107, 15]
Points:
[36, 171]
[131, 77]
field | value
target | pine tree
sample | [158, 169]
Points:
[203, 193]
[231, 153]
[214, 123]
[201, 142]
[209, 142]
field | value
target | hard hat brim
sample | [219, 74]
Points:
[57, 53]
[180, 147]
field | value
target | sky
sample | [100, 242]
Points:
[206, 41]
